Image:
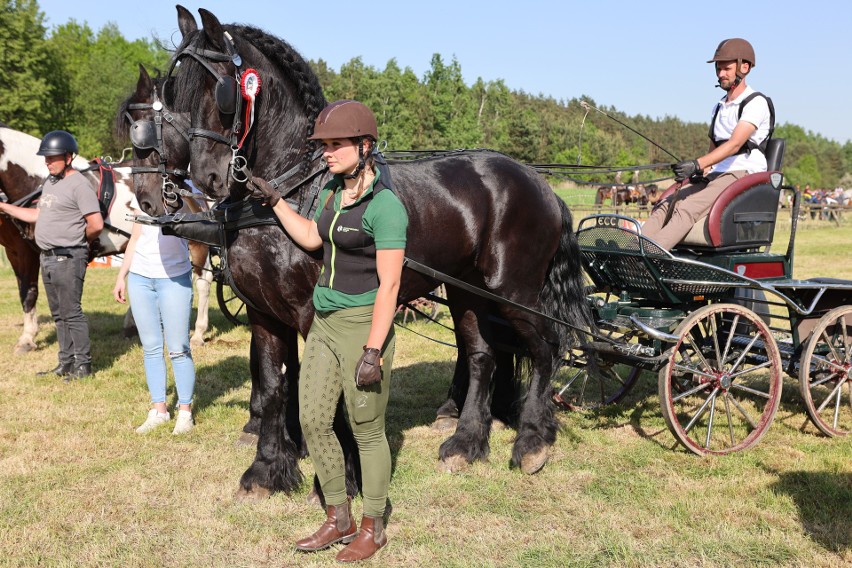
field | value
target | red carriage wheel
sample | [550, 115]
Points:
[825, 370]
[587, 389]
[722, 384]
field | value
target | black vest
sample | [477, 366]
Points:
[349, 252]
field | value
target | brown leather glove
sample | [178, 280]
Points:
[260, 189]
[368, 371]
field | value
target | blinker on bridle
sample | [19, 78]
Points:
[229, 100]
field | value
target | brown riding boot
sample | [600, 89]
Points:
[371, 538]
[338, 527]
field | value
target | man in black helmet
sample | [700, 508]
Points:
[67, 219]
[742, 123]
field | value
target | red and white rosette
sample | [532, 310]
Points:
[249, 88]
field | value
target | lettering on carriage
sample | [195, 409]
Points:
[607, 221]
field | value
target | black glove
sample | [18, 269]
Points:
[95, 250]
[686, 169]
[368, 371]
[260, 189]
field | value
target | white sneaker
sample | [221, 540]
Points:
[154, 419]
[183, 424]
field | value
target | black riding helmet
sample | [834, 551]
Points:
[57, 143]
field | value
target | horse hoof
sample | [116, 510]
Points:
[24, 348]
[313, 498]
[452, 464]
[196, 341]
[257, 493]
[246, 440]
[497, 425]
[444, 423]
[532, 463]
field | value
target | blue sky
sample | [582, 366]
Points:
[643, 57]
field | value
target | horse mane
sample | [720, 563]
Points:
[279, 53]
[185, 94]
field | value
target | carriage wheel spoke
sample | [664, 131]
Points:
[698, 352]
[710, 424]
[571, 381]
[693, 371]
[582, 397]
[730, 418]
[836, 391]
[744, 412]
[714, 334]
[745, 352]
[701, 410]
[730, 339]
[750, 390]
[830, 344]
[749, 370]
[829, 363]
[690, 392]
[845, 338]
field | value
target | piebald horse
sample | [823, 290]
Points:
[22, 172]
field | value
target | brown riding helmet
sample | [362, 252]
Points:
[734, 49]
[345, 119]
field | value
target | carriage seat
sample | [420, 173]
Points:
[743, 216]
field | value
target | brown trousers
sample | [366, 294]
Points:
[691, 203]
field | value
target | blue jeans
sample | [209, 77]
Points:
[162, 308]
[63, 278]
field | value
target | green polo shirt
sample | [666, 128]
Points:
[385, 220]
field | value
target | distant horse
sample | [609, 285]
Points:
[618, 195]
[478, 216]
[21, 174]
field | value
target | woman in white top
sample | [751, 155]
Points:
[160, 287]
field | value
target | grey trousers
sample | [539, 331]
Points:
[63, 278]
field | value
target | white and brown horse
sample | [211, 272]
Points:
[21, 174]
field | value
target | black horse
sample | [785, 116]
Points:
[478, 216]
[159, 175]
[160, 158]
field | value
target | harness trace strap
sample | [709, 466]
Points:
[749, 145]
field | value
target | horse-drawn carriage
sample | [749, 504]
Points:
[497, 236]
[720, 318]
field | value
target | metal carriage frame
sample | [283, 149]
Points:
[720, 328]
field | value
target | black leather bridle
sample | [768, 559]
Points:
[147, 134]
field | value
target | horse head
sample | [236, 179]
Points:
[226, 122]
[160, 144]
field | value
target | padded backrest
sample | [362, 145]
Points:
[775, 154]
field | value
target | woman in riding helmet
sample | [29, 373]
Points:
[361, 226]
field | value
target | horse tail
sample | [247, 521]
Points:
[563, 295]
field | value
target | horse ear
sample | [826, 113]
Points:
[144, 85]
[186, 21]
[212, 28]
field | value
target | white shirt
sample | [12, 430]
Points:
[757, 113]
[158, 255]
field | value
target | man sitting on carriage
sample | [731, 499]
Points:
[741, 126]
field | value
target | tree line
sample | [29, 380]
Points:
[73, 78]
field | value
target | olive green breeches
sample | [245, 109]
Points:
[334, 345]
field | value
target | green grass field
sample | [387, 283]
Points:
[79, 488]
